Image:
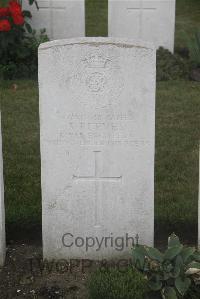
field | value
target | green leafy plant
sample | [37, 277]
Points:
[171, 273]
[171, 66]
[193, 292]
[22, 61]
[18, 42]
[114, 284]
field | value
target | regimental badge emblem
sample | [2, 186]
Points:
[97, 80]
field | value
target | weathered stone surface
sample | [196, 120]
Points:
[150, 20]
[2, 209]
[61, 18]
[97, 114]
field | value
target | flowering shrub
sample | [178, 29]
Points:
[18, 42]
[5, 25]
[10, 16]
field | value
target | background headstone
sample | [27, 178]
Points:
[61, 18]
[97, 114]
[2, 209]
[149, 20]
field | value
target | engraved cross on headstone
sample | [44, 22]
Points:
[97, 179]
[51, 8]
[141, 8]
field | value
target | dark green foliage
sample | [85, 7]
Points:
[18, 53]
[171, 272]
[193, 293]
[19, 47]
[115, 284]
[171, 66]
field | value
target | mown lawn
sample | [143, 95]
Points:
[177, 137]
[96, 17]
[187, 21]
[20, 122]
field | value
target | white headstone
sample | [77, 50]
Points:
[97, 114]
[149, 20]
[61, 18]
[2, 209]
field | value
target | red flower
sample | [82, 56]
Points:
[4, 12]
[18, 19]
[15, 8]
[16, 12]
[5, 25]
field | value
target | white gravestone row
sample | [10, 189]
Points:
[2, 210]
[97, 120]
[61, 18]
[149, 20]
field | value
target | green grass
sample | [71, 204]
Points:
[187, 20]
[20, 125]
[114, 283]
[96, 17]
[177, 137]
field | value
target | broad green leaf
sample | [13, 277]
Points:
[179, 261]
[173, 240]
[169, 293]
[27, 14]
[178, 266]
[35, 2]
[172, 252]
[182, 285]
[28, 27]
[154, 254]
[139, 254]
[187, 252]
[196, 256]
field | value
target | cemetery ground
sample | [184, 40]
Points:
[177, 135]
[176, 169]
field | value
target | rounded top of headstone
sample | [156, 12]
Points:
[98, 41]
